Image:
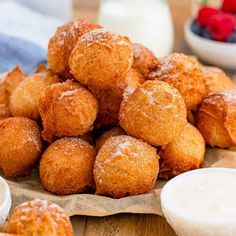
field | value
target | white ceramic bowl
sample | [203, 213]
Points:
[201, 202]
[5, 200]
[213, 52]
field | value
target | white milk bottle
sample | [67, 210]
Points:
[145, 21]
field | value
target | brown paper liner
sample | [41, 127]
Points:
[28, 188]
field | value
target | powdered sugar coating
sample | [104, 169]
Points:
[215, 118]
[102, 36]
[67, 109]
[25, 97]
[128, 91]
[69, 93]
[63, 42]
[66, 166]
[228, 95]
[20, 145]
[116, 131]
[39, 217]
[77, 28]
[121, 164]
[215, 79]
[221, 98]
[152, 98]
[185, 74]
[101, 59]
[151, 110]
[40, 206]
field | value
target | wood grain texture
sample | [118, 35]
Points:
[122, 225]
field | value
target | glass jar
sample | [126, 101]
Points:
[145, 21]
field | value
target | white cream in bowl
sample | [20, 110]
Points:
[201, 202]
[5, 200]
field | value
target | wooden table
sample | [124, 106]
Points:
[128, 224]
[122, 225]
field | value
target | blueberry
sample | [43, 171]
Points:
[196, 28]
[232, 38]
[205, 34]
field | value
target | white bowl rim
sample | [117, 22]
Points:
[6, 193]
[187, 28]
[192, 172]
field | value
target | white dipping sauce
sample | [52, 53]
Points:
[2, 193]
[201, 202]
[5, 200]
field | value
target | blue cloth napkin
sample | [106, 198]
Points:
[17, 51]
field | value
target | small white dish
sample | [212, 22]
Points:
[201, 202]
[213, 52]
[5, 200]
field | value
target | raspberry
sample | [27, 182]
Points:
[220, 26]
[229, 6]
[204, 14]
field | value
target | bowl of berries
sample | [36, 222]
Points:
[211, 35]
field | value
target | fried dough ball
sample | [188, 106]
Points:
[66, 166]
[13, 78]
[25, 98]
[154, 112]
[4, 96]
[109, 100]
[215, 118]
[4, 111]
[101, 59]
[20, 145]
[216, 79]
[116, 131]
[125, 166]
[8, 82]
[67, 109]
[39, 218]
[62, 43]
[185, 153]
[144, 60]
[185, 74]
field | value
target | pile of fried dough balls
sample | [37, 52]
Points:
[109, 116]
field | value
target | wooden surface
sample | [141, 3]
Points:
[128, 224]
[122, 225]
